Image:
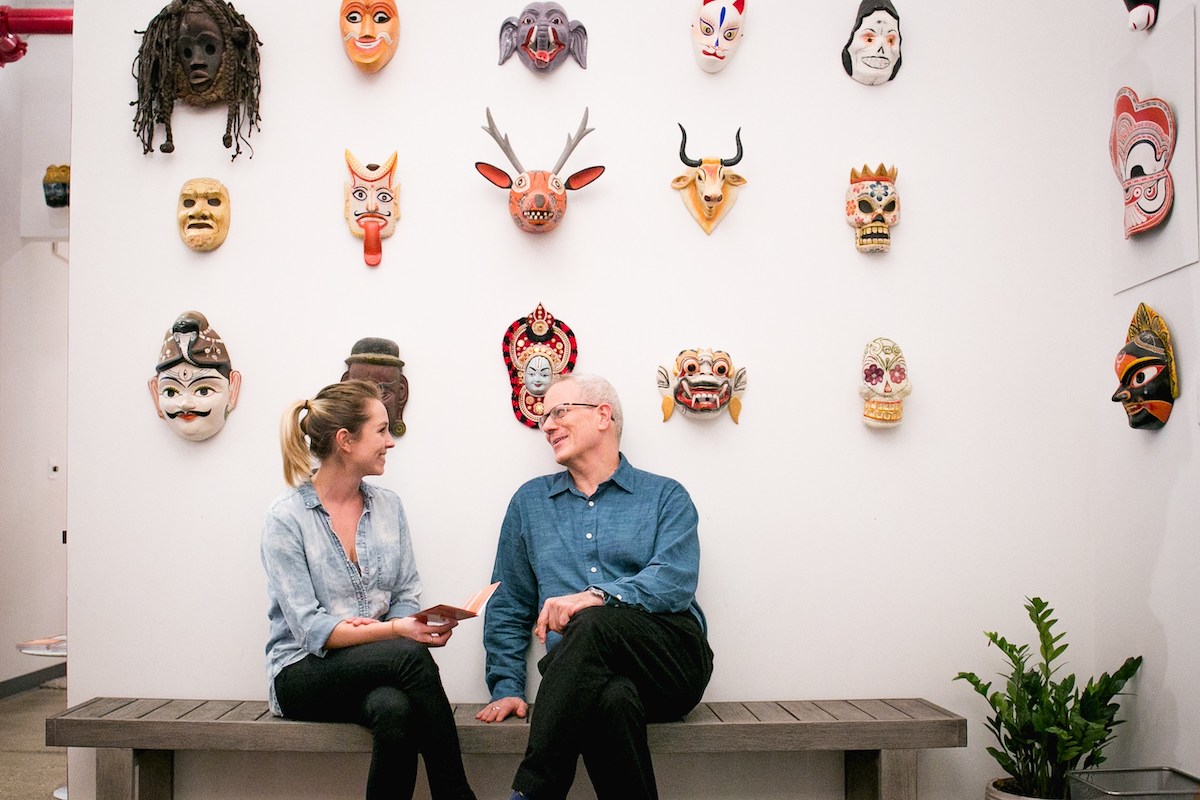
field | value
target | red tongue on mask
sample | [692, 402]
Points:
[372, 244]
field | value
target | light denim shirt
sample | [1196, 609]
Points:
[635, 538]
[312, 583]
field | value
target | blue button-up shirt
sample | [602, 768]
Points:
[635, 538]
[312, 583]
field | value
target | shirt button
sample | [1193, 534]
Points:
[593, 569]
[620, 598]
[588, 535]
[591, 503]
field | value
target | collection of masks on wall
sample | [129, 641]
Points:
[204, 53]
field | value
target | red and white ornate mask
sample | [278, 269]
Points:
[873, 208]
[372, 204]
[717, 32]
[536, 348]
[703, 383]
[370, 32]
[884, 384]
[1141, 145]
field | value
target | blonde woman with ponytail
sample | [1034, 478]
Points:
[344, 645]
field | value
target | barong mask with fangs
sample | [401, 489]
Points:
[703, 383]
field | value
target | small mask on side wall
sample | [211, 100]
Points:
[204, 53]
[872, 55]
[536, 348]
[370, 32]
[884, 383]
[378, 360]
[194, 387]
[873, 208]
[372, 204]
[56, 186]
[1145, 367]
[203, 214]
[1141, 144]
[717, 32]
[543, 37]
[703, 383]
[1142, 14]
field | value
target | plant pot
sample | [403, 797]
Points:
[996, 790]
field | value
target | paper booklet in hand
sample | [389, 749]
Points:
[441, 614]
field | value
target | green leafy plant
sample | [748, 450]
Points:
[1045, 726]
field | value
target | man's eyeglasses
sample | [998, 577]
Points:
[560, 411]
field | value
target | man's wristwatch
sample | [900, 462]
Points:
[596, 590]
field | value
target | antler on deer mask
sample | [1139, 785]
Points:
[537, 199]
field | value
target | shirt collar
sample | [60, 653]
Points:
[624, 478]
[309, 495]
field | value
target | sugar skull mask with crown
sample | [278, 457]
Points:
[1145, 367]
[717, 32]
[884, 384]
[703, 383]
[372, 204]
[1141, 144]
[194, 387]
[536, 348]
[873, 208]
[370, 32]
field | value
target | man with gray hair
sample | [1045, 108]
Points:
[601, 562]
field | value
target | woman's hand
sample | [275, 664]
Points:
[430, 635]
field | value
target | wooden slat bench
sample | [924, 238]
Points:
[136, 739]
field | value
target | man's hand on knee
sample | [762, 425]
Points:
[557, 612]
[501, 709]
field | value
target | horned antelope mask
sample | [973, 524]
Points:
[537, 199]
[709, 189]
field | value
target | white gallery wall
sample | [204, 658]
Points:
[838, 561]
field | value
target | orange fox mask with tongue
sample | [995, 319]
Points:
[372, 204]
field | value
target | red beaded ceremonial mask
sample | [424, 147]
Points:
[536, 348]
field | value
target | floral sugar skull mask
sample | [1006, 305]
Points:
[372, 204]
[717, 32]
[370, 32]
[1141, 144]
[703, 383]
[1145, 367]
[873, 208]
[872, 55]
[884, 383]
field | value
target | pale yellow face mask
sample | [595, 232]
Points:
[370, 32]
[203, 214]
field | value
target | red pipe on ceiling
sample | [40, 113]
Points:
[39, 20]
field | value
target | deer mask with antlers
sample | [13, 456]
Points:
[537, 199]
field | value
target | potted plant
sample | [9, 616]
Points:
[1046, 724]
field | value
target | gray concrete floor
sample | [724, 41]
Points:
[29, 770]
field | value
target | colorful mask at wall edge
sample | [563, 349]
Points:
[703, 383]
[536, 348]
[717, 32]
[873, 207]
[884, 383]
[1142, 14]
[1145, 366]
[709, 188]
[543, 37]
[537, 199]
[378, 360]
[1141, 144]
[370, 32]
[56, 185]
[372, 204]
[872, 54]
[204, 53]
[194, 387]
[203, 214]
